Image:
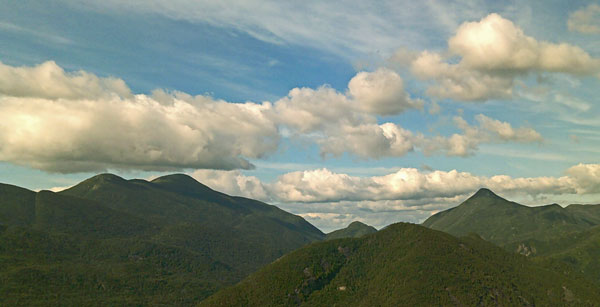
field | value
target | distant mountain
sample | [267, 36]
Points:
[408, 265]
[354, 230]
[113, 241]
[508, 223]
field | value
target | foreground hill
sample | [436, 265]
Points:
[507, 223]
[408, 265]
[112, 241]
[354, 230]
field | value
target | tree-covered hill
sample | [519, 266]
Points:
[408, 265]
[111, 241]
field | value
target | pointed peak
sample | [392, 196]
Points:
[484, 192]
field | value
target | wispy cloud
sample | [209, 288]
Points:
[37, 33]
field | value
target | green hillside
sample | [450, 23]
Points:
[113, 241]
[409, 265]
[581, 251]
[507, 223]
[354, 230]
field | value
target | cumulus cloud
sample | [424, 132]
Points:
[369, 93]
[491, 53]
[233, 183]
[346, 123]
[585, 20]
[306, 110]
[75, 121]
[50, 81]
[487, 130]
[368, 141]
[332, 200]
[381, 92]
[497, 44]
[140, 132]
[504, 131]
[586, 176]
[458, 82]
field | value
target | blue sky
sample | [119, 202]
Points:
[350, 111]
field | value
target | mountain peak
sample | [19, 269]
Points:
[176, 178]
[186, 185]
[100, 180]
[484, 192]
[357, 224]
[106, 177]
[354, 230]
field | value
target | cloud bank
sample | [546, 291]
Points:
[332, 200]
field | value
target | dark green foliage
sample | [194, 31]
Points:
[580, 251]
[111, 241]
[407, 265]
[354, 230]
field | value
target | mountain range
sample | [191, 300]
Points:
[174, 241]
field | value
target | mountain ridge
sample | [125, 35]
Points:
[164, 236]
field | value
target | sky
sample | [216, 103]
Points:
[379, 112]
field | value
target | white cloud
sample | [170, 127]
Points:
[368, 141]
[586, 176]
[496, 44]
[585, 20]
[486, 56]
[233, 183]
[97, 132]
[488, 130]
[458, 82]
[381, 92]
[307, 110]
[504, 131]
[50, 81]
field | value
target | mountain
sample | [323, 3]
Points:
[508, 223]
[113, 241]
[406, 264]
[354, 230]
